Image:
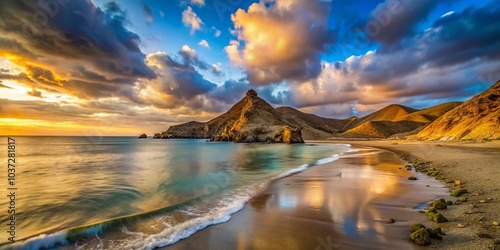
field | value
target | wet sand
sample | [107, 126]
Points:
[477, 166]
[346, 204]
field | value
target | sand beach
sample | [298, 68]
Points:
[364, 200]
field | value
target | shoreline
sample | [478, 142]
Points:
[362, 200]
[477, 166]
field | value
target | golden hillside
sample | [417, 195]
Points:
[313, 127]
[382, 129]
[253, 119]
[476, 119]
[428, 115]
[392, 112]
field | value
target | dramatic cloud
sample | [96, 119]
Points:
[393, 20]
[216, 69]
[204, 43]
[178, 79]
[233, 91]
[75, 64]
[442, 62]
[4, 86]
[35, 93]
[190, 19]
[76, 31]
[282, 40]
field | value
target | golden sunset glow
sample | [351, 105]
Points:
[149, 70]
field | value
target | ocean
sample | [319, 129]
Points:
[129, 193]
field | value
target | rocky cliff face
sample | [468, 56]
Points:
[476, 119]
[313, 127]
[251, 120]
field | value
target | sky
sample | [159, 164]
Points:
[95, 68]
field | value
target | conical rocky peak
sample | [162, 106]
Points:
[251, 94]
[252, 119]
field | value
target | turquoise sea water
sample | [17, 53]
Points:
[129, 193]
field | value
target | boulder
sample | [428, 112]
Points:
[421, 237]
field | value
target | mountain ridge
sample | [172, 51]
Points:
[475, 119]
[252, 119]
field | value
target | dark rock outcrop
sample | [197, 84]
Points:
[143, 136]
[251, 120]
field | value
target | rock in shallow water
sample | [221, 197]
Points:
[416, 227]
[458, 192]
[421, 237]
[439, 204]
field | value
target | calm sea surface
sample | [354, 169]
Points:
[129, 193]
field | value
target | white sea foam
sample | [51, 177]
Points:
[49, 241]
[220, 213]
[43, 241]
[292, 171]
[328, 159]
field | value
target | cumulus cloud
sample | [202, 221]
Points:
[80, 32]
[178, 79]
[204, 43]
[281, 40]
[198, 2]
[440, 63]
[190, 19]
[35, 93]
[393, 20]
[233, 91]
[216, 69]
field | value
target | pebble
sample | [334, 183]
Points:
[482, 201]
[495, 223]
[457, 183]
[460, 225]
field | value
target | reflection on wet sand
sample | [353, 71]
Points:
[344, 204]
